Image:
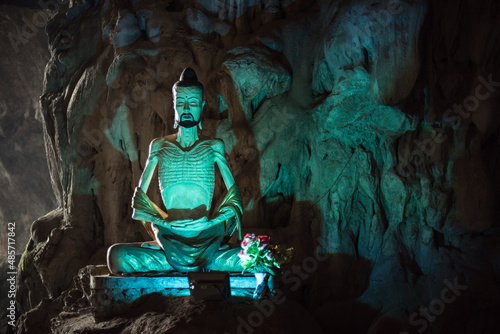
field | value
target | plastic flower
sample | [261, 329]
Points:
[271, 254]
[248, 240]
[249, 236]
[258, 256]
[263, 241]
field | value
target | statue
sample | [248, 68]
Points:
[185, 238]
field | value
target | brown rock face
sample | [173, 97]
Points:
[362, 133]
[25, 187]
[25, 191]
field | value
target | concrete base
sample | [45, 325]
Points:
[112, 295]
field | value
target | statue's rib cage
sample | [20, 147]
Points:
[196, 166]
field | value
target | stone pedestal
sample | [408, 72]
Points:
[112, 295]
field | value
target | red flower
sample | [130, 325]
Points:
[263, 241]
[248, 241]
[249, 236]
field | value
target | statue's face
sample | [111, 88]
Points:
[188, 105]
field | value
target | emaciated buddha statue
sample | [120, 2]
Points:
[185, 237]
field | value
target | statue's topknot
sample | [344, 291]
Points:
[188, 75]
[188, 79]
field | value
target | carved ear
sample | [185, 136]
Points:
[199, 124]
[175, 125]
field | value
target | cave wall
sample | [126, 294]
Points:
[26, 193]
[364, 131]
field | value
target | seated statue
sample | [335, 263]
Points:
[185, 238]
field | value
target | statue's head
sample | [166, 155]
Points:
[188, 99]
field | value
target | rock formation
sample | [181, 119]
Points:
[25, 185]
[362, 133]
[26, 192]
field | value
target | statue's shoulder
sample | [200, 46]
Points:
[217, 145]
[161, 142]
[210, 141]
[213, 142]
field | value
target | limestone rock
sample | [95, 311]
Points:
[256, 76]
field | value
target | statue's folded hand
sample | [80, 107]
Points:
[193, 227]
[187, 223]
[188, 227]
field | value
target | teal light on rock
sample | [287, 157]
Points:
[118, 133]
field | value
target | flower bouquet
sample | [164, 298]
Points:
[258, 256]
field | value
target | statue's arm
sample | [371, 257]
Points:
[221, 161]
[144, 208]
[150, 167]
[231, 206]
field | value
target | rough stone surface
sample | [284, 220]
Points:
[26, 192]
[362, 133]
[25, 186]
[155, 314]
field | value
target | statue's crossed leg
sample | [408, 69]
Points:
[136, 258]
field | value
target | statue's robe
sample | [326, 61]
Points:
[181, 249]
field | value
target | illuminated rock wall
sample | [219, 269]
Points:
[340, 128]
